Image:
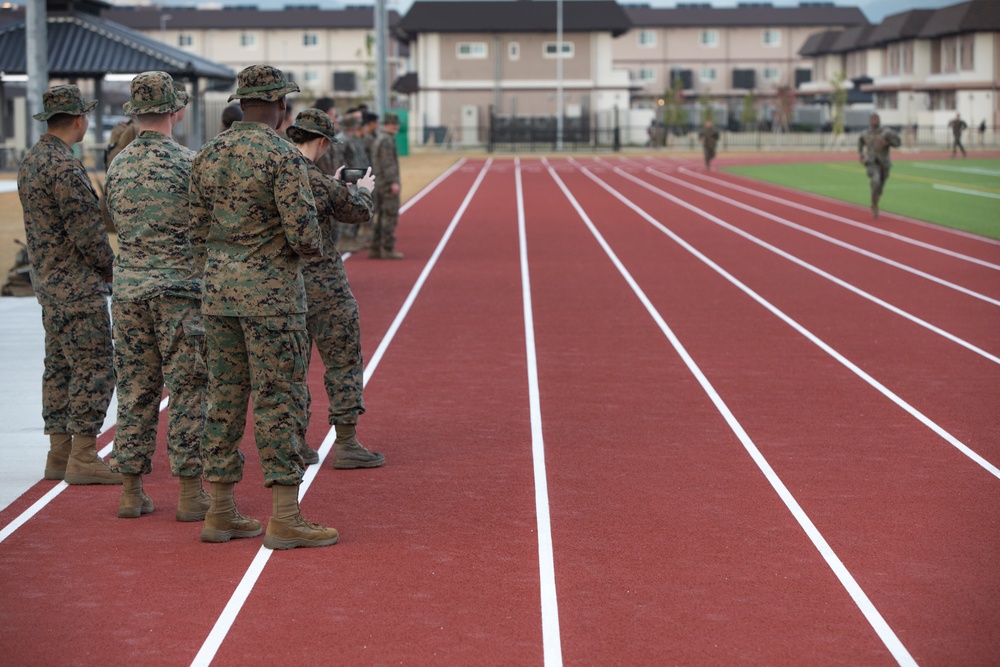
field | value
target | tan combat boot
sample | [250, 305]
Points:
[60, 445]
[287, 529]
[389, 253]
[85, 466]
[309, 456]
[222, 521]
[133, 502]
[194, 502]
[374, 253]
[349, 453]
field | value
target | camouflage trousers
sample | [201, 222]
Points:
[878, 174]
[385, 220]
[334, 325]
[264, 357]
[159, 342]
[79, 376]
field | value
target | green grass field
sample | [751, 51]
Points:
[964, 194]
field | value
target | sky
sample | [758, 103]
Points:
[875, 10]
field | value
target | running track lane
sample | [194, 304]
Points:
[80, 584]
[912, 519]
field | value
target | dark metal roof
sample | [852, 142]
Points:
[512, 16]
[819, 43]
[87, 46]
[975, 16]
[852, 39]
[244, 18]
[406, 84]
[897, 27]
[749, 14]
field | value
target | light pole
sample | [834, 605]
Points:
[559, 75]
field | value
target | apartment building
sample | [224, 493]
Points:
[921, 66]
[472, 58]
[723, 53]
[328, 52]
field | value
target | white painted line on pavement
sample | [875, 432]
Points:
[966, 191]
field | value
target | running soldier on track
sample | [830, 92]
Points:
[873, 152]
[156, 301]
[709, 138]
[71, 262]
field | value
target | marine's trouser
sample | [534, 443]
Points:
[878, 174]
[159, 341]
[79, 375]
[265, 357]
[385, 220]
[957, 146]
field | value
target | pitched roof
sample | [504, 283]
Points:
[746, 14]
[81, 45]
[852, 39]
[906, 25]
[975, 16]
[244, 18]
[819, 43]
[512, 16]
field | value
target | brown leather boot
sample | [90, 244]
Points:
[85, 466]
[222, 521]
[194, 502]
[60, 445]
[389, 253]
[287, 529]
[133, 502]
[309, 456]
[348, 453]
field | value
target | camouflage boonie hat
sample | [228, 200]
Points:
[316, 122]
[349, 122]
[182, 93]
[262, 82]
[64, 99]
[390, 119]
[153, 92]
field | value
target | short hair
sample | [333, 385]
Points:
[324, 104]
[231, 114]
[60, 121]
[248, 102]
[370, 118]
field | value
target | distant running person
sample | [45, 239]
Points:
[873, 152]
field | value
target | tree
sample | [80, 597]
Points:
[674, 114]
[705, 106]
[785, 107]
[838, 101]
[748, 115]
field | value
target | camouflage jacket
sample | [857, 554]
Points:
[369, 141]
[66, 237]
[251, 200]
[327, 162]
[148, 193]
[122, 135]
[335, 202]
[870, 146]
[709, 138]
[385, 162]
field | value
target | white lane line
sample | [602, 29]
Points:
[829, 239]
[551, 642]
[232, 609]
[961, 170]
[820, 272]
[966, 191]
[885, 633]
[855, 223]
[885, 391]
[52, 493]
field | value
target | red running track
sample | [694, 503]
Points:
[734, 458]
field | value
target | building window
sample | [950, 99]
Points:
[647, 74]
[647, 39]
[185, 39]
[310, 76]
[345, 82]
[887, 100]
[248, 40]
[967, 48]
[551, 49]
[772, 74]
[310, 39]
[514, 51]
[471, 50]
[771, 37]
[710, 38]
[709, 74]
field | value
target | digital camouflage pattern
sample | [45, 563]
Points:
[267, 354]
[70, 260]
[332, 321]
[873, 149]
[154, 92]
[262, 82]
[156, 302]
[64, 99]
[250, 191]
[386, 168]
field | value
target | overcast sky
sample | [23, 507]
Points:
[875, 10]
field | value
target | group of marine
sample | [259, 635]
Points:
[227, 273]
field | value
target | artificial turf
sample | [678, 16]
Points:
[963, 194]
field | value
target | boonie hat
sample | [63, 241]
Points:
[64, 99]
[262, 82]
[317, 122]
[153, 92]
[390, 119]
[182, 93]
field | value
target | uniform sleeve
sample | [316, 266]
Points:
[893, 139]
[84, 223]
[201, 222]
[388, 165]
[297, 206]
[335, 199]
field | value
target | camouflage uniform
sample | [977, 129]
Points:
[709, 138]
[328, 163]
[873, 150]
[156, 305]
[71, 260]
[250, 189]
[957, 126]
[122, 135]
[386, 168]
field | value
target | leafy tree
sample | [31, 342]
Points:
[674, 113]
[838, 101]
[748, 115]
